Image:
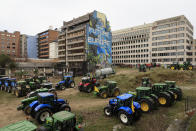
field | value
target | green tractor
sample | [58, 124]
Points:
[142, 68]
[165, 96]
[20, 126]
[146, 98]
[175, 89]
[22, 89]
[184, 66]
[60, 121]
[108, 90]
[146, 82]
[32, 96]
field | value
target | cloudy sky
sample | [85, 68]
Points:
[33, 16]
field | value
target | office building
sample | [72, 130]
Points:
[53, 50]
[85, 42]
[163, 41]
[32, 47]
[44, 38]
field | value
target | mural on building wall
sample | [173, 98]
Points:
[99, 40]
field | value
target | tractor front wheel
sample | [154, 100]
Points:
[104, 95]
[108, 111]
[172, 67]
[125, 118]
[116, 92]
[27, 110]
[72, 85]
[190, 67]
[164, 99]
[42, 114]
[146, 105]
[177, 94]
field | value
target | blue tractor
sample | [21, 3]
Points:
[67, 82]
[125, 108]
[3, 83]
[47, 104]
[10, 84]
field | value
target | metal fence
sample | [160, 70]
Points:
[190, 104]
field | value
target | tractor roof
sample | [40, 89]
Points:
[45, 94]
[21, 82]
[143, 88]
[67, 76]
[170, 81]
[114, 82]
[158, 84]
[42, 90]
[63, 116]
[11, 79]
[124, 96]
[46, 83]
[20, 126]
[4, 78]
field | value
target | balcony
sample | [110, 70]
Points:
[75, 36]
[76, 29]
[74, 54]
[74, 42]
[75, 60]
[75, 48]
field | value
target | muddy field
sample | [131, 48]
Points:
[90, 107]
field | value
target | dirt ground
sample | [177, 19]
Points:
[9, 104]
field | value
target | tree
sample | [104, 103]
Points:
[7, 62]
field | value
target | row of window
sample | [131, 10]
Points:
[130, 47]
[129, 42]
[2, 35]
[168, 31]
[168, 25]
[76, 33]
[168, 36]
[76, 39]
[168, 60]
[130, 56]
[168, 48]
[131, 37]
[42, 38]
[132, 51]
[167, 42]
[167, 54]
[76, 57]
[45, 33]
[130, 61]
[13, 47]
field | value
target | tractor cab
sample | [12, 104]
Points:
[125, 99]
[111, 84]
[61, 121]
[46, 98]
[21, 84]
[142, 68]
[28, 80]
[143, 91]
[146, 82]
[171, 84]
[67, 78]
[46, 85]
[159, 87]
[42, 79]
[34, 93]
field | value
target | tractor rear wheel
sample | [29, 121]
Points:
[172, 68]
[146, 105]
[27, 110]
[164, 99]
[156, 101]
[116, 92]
[177, 94]
[108, 111]
[125, 118]
[172, 100]
[72, 85]
[42, 114]
[18, 92]
[190, 67]
[104, 94]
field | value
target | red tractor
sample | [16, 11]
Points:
[88, 84]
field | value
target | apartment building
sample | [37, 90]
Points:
[163, 41]
[44, 38]
[53, 50]
[23, 45]
[10, 44]
[85, 39]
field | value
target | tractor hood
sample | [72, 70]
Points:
[61, 82]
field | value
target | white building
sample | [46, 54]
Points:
[53, 50]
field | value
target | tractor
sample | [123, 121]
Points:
[175, 89]
[125, 108]
[108, 90]
[67, 82]
[61, 121]
[47, 104]
[10, 84]
[87, 84]
[32, 96]
[165, 96]
[146, 82]
[142, 68]
[184, 66]
[21, 89]
[146, 98]
[46, 85]
[24, 125]
[2, 83]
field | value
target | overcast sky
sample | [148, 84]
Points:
[33, 16]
